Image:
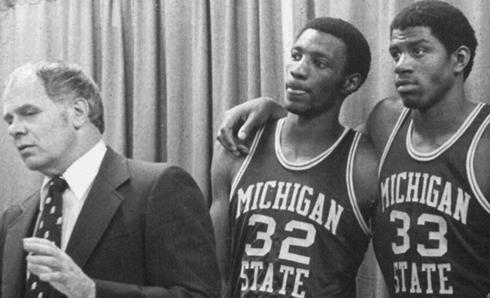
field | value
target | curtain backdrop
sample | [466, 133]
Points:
[169, 68]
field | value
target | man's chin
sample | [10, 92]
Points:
[293, 107]
[410, 101]
[32, 164]
[306, 114]
[297, 110]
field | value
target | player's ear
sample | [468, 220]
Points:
[351, 83]
[462, 57]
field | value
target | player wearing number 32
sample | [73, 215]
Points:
[291, 218]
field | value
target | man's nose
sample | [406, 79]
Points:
[299, 69]
[16, 127]
[404, 64]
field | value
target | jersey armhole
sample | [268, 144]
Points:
[246, 161]
[349, 173]
[398, 124]
[470, 167]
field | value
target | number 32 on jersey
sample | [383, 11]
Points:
[262, 245]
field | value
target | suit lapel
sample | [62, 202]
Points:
[14, 269]
[100, 206]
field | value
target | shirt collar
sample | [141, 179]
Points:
[81, 173]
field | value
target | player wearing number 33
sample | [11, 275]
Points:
[291, 218]
[431, 229]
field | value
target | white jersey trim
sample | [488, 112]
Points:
[391, 138]
[301, 166]
[422, 156]
[470, 166]
[246, 161]
[349, 177]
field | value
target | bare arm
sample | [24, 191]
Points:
[223, 165]
[240, 121]
[382, 120]
[366, 177]
[481, 164]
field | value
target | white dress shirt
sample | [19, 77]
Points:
[79, 177]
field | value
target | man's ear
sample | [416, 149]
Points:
[80, 112]
[351, 83]
[462, 57]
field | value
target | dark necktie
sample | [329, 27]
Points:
[49, 227]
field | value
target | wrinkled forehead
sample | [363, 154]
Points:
[411, 32]
[412, 36]
[23, 89]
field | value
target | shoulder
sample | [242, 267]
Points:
[156, 169]
[365, 173]
[154, 180]
[159, 172]
[392, 104]
[225, 165]
[224, 168]
[481, 166]
[143, 176]
[382, 120]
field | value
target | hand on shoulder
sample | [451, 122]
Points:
[241, 121]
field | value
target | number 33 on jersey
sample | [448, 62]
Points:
[431, 230]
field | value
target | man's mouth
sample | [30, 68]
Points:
[296, 89]
[403, 86]
[24, 147]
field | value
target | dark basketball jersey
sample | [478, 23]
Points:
[297, 230]
[432, 227]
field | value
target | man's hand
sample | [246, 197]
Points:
[244, 118]
[53, 265]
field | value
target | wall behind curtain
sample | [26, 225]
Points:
[169, 68]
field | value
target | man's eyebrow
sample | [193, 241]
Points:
[25, 108]
[312, 53]
[414, 42]
[411, 43]
[20, 110]
[418, 41]
[320, 54]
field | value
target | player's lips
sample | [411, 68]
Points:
[405, 85]
[296, 89]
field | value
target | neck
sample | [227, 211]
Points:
[445, 116]
[432, 127]
[81, 145]
[304, 138]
